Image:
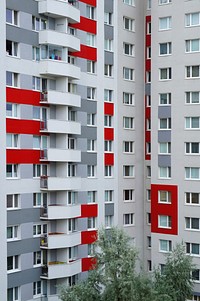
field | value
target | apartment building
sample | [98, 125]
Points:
[99, 127]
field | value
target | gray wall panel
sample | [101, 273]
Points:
[26, 276]
[26, 292]
[108, 57]
[164, 136]
[164, 160]
[89, 158]
[26, 112]
[23, 246]
[21, 35]
[88, 132]
[26, 200]
[82, 170]
[30, 6]
[26, 54]
[164, 112]
[108, 6]
[82, 197]
[147, 89]
[26, 81]
[16, 217]
[26, 142]
[109, 209]
[82, 224]
[26, 171]
[83, 251]
[88, 106]
[109, 32]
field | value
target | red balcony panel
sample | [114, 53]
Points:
[148, 40]
[148, 112]
[89, 210]
[148, 18]
[108, 108]
[23, 156]
[19, 126]
[90, 2]
[147, 136]
[148, 65]
[22, 96]
[88, 237]
[86, 52]
[164, 209]
[88, 264]
[108, 134]
[147, 157]
[86, 24]
[108, 159]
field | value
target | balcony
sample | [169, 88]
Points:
[60, 126]
[59, 9]
[59, 269]
[60, 155]
[60, 212]
[60, 240]
[59, 183]
[60, 39]
[60, 98]
[58, 68]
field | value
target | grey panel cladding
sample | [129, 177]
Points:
[26, 200]
[108, 6]
[164, 112]
[147, 89]
[23, 277]
[88, 132]
[30, 6]
[88, 106]
[89, 158]
[82, 197]
[82, 90]
[26, 112]
[82, 251]
[164, 160]
[26, 292]
[21, 35]
[82, 224]
[16, 217]
[164, 136]
[82, 171]
[26, 171]
[109, 209]
[108, 32]
[108, 58]
[26, 141]
[26, 80]
[23, 246]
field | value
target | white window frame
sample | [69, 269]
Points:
[128, 49]
[15, 292]
[192, 71]
[91, 171]
[128, 147]
[165, 172]
[167, 47]
[192, 122]
[192, 45]
[165, 148]
[192, 148]
[108, 18]
[164, 197]
[164, 221]
[71, 143]
[12, 140]
[192, 173]
[91, 223]
[167, 23]
[14, 17]
[91, 196]
[192, 198]
[128, 171]
[129, 2]
[108, 171]
[91, 145]
[91, 119]
[129, 24]
[91, 67]
[12, 49]
[108, 70]
[190, 249]
[192, 19]
[12, 110]
[190, 223]
[128, 219]
[90, 12]
[37, 259]
[108, 95]
[128, 74]
[37, 289]
[72, 198]
[165, 124]
[192, 97]
[90, 40]
[71, 169]
[13, 200]
[128, 99]
[164, 99]
[12, 171]
[39, 230]
[108, 121]
[14, 232]
[128, 195]
[161, 2]
[91, 93]
[108, 45]
[109, 221]
[109, 196]
[108, 146]
[128, 123]
[165, 245]
[12, 79]
[165, 74]
[15, 264]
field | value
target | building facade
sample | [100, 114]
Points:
[99, 127]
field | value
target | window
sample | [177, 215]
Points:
[38, 230]
[91, 171]
[39, 199]
[108, 45]
[165, 48]
[192, 148]
[38, 24]
[91, 67]
[108, 120]
[72, 197]
[36, 83]
[12, 232]
[165, 23]
[192, 248]
[192, 173]
[192, 45]
[129, 2]
[73, 253]
[39, 170]
[192, 223]
[128, 49]
[36, 113]
[72, 31]
[109, 196]
[91, 119]
[91, 145]
[148, 52]
[165, 172]
[128, 147]
[165, 148]
[108, 95]
[165, 98]
[148, 241]
[128, 171]
[12, 263]
[149, 28]
[36, 142]
[128, 73]
[128, 219]
[148, 124]
[71, 115]
[192, 97]
[148, 195]
[165, 123]
[35, 53]
[148, 4]
[71, 143]
[148, 218]
[37, 288]
[12, 201]
[192, 19]
[108, 146]
[13, 294]
[71, 169]
[91, 249]
[108, 221]
[148, 76]
[193, 71]
[149, 265]
[91, 223]
[128, 195]
[90, 40]
[164, 1]
[164, 221]
[108, 18]
[108, 70]
[11, 140]
[192, 122]
[192, 198]
[91, 196]
[164, 196]
[91, 93]
[12, 171]
[90, 12]
[128, 98]
[128, 122]
[165, 245]
[129, 24]
[12, 79]
[37, 258]
[148, 100]
[108, 171]
[148, 171]
[73, 280]
[12, 110]
[12, 16]
[11, 48]
[72, 88]
[165, 73]
[196, 275]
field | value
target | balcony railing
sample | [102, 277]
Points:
[44, 181]
[43, 154]
[44, 96]
[75, 3]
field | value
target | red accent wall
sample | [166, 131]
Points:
[164, 209]
[108, 134]
[88, 263]
[89, 210]
[86, 52]
[23, 156]
[86, 24]
[23, 96]
[88, 237]
[90, 2]
[19, 126]
[108, 159]
[108, 108]
[148, 65]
